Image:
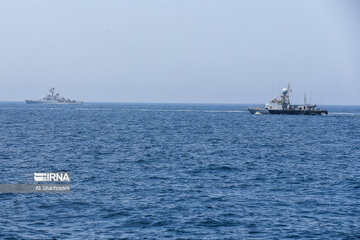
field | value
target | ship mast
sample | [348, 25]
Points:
[289, 91]
[52, 90]
[285, 97]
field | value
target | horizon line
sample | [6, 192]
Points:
[200, 103]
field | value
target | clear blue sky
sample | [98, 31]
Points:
[223, 51]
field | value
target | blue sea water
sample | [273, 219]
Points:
[181, 171]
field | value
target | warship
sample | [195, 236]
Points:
[52, 98]
[283, 106]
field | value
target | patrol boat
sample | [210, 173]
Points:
[283, 106]
[52, 98]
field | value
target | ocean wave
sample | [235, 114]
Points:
[343, 114]
[181, 110]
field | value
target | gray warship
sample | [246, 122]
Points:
[52, 98]
[283, 106]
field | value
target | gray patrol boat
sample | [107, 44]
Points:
[283, 106]
[52, 98]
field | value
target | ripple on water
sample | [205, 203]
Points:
[177, 171]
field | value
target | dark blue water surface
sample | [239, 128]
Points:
[181, 171]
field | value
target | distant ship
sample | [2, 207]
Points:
[52, 98]
[283, 106]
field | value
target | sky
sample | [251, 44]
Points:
[181, 51]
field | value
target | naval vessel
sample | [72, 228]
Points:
[52, 98]
[283, 106]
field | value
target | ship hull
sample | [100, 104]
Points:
[50, 102]
[289, 112]
[299, 112]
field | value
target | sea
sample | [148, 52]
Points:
[180, 171]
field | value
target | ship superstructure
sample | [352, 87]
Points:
[284, 106]
[52, 98]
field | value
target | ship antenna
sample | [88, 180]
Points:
[289, 91]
